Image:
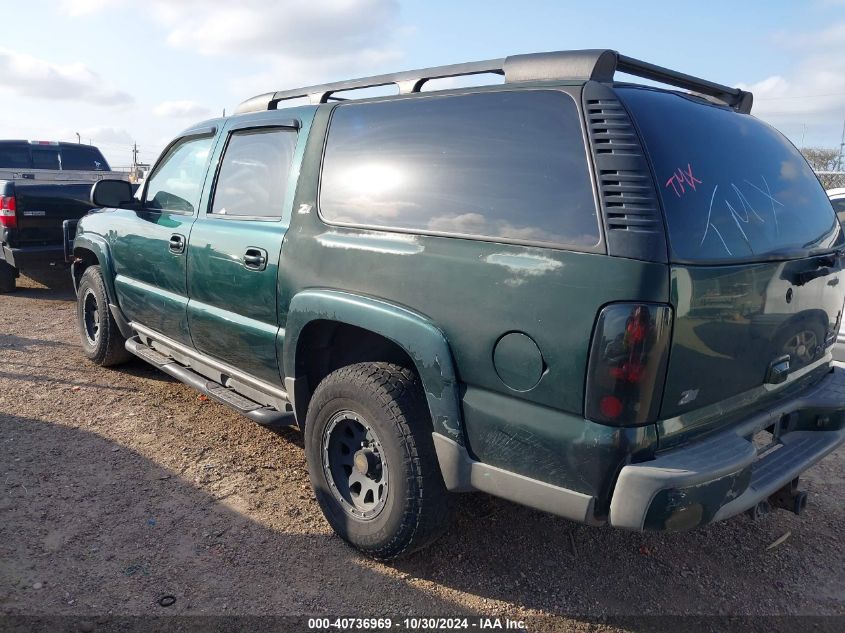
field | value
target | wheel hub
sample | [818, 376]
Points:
[366, 462]
[354, 465]
[91, 314]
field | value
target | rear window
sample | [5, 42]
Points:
[14, 157]
[46, 158]
[83, 158]
[506, 166]
[732, 187]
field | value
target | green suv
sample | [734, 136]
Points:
[607, 301]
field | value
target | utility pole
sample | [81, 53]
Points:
[134, 155]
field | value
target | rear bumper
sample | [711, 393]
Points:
[34, 257]
[723, 475]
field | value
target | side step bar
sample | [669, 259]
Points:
[264, 415]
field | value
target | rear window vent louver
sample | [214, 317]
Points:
[633, 225]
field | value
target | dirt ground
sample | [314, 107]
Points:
[120, 486]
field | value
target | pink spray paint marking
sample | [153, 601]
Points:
[681, 179]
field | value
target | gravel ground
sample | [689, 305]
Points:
[120, 486]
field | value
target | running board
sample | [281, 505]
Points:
[264, 415]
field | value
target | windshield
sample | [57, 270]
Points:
[732, 187]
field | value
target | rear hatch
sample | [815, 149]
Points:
[755, 256]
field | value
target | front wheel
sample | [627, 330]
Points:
[101, 340]
[371, 460]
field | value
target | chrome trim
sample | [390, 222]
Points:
[217, 365]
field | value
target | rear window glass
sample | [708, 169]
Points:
[14, 156]
[732, 187]
[46, 159]
[505, 165]
[83, 158]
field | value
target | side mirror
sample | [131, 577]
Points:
[113, 194]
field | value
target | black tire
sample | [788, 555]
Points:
[8, 275]
[389, 401]
[101, 340]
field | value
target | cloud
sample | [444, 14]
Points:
[812, 92]
[103, 135]
[30, 76]
[180, 110]
[84, 7]
[295, 42]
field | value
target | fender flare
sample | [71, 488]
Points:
[422, 340]
[98, 245]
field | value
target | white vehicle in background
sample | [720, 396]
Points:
[837, 197]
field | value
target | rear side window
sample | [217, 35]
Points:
[46, 159]
[177, 182]
[14, 157]
[732, 187]
[507, 166]
[254, 173]
[83, 158]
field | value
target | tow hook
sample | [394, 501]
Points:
[790, 498]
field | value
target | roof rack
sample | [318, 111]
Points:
[597, 65]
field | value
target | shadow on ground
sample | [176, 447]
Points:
[89, 526]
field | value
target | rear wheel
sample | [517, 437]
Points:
[8, 274]
[100, 336]
[371, 460]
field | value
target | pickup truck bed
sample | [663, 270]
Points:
[34, 240]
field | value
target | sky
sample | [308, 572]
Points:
[120, 72]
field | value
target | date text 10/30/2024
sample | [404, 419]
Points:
[415, 623]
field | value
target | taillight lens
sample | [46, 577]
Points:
[627, 367]
[8, 206]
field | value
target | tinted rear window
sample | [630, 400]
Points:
[14, 157]
[83, 158]
[499, 165]
[732, 187]
[46, 158]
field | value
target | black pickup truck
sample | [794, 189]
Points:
[42, 184]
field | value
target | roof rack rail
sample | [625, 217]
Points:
[597, 65]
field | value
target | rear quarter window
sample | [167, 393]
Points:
[14, 157]
[732, 187]
[83, 159]
[507, 166]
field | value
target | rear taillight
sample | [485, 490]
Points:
[8, 206]
[627, 367]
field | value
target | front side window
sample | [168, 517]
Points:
[254, 173]
[176, 184]
[508, 165]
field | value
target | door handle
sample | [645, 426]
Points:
[255, 258]
[176, 243]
